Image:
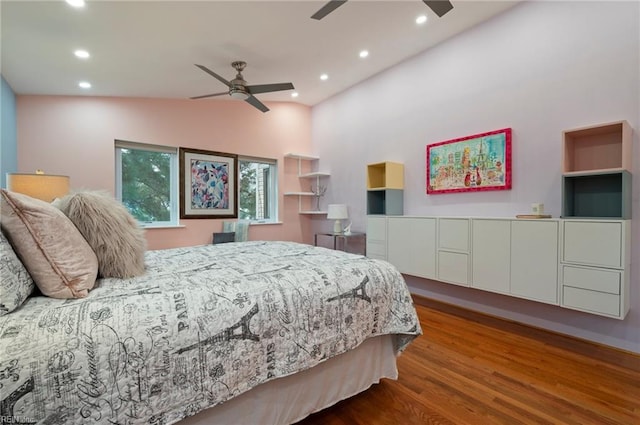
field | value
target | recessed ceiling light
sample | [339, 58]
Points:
[84, 85]
[364, 53]
[324, 77]
[76, 3]
[421, 19]
[82, 54]
[294, 94]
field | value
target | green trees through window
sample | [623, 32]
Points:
[257, 190]
[146, 184]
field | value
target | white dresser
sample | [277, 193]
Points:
[579, 264]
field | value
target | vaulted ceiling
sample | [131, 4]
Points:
[149, 48]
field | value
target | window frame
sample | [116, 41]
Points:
[174, 196]
[271, 187]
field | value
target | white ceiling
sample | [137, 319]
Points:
[149, 48]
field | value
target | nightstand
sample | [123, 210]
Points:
[346, 239]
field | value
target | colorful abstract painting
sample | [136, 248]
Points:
[207, 184]
[474, 163]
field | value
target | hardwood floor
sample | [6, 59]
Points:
[468, 368]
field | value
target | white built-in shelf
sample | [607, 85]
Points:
[317, 175]
[313, 175]
[301, 156]
[299, 194]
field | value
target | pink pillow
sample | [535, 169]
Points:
[110, 230]
[58, 258]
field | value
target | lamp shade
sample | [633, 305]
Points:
[46, 187]
[337, 212]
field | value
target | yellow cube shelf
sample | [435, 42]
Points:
[385, 175]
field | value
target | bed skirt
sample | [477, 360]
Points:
[292, 398]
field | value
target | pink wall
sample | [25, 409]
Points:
[75, 136]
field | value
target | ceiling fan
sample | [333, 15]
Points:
[238, 88]
[439, 7]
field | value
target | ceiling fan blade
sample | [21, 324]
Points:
[264, 88]
[213, 74]
[328, 8]
[439, 7]
[209, 95]
[256, 103]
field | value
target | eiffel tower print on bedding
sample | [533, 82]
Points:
[203, 325]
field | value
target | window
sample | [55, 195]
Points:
[258, 197]
[147, 182]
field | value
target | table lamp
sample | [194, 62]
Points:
[337, 212]
[46, 187]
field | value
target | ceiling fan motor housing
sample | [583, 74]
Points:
[238, 89]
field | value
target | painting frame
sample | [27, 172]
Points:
[460, 165]
[208, 184]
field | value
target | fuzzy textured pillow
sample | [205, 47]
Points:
[15, 282]
[111, 231]
[56, 255]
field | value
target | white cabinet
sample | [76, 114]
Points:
[593, 243]
[595, 266]
[579, 264]
[516, 257]
[453, 234]
[412, 245]
[534, 260]
[491, 255]
[306, 197]
[377, 237]
[453, 250]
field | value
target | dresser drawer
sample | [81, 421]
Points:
[377, 250]
[607, 281]
[591, 301]
[377, 229]
[453, 234]
[593, 243]
[453, 267]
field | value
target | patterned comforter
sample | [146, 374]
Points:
[203, 325]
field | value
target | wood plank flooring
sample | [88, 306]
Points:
[473, 369]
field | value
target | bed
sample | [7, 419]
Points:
[236, 333]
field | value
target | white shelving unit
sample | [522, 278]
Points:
[317, 175]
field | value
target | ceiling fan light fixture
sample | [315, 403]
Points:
[238, 94]
[421, 19]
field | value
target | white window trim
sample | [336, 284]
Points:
[173, 179]
[273, 188]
